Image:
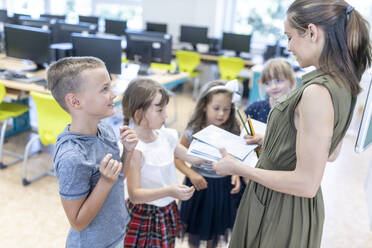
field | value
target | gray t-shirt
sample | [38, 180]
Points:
[76, 162]
[204, 169]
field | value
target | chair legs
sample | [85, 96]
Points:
[26, 181]
[196, 87]
[18, 157]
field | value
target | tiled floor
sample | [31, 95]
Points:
[32, 216]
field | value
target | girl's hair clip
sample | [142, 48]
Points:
[232, 86]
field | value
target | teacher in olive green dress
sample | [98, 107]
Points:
[282, 205]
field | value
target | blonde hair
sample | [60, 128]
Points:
[278, 68]
[139, 95]
[63, 76]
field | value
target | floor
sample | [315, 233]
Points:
[32, 216]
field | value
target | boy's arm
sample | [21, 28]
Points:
[196, 179]
[82, 211]
[139, 195]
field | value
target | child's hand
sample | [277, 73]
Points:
[110, 169]
[197, 160]
[257, 139]
[181, 192]
[198, 181]
[235, 180]
[128, 138]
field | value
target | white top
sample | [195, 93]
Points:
[157, 165]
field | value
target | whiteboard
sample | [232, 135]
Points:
[364, 139]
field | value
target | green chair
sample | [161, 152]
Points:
[52, 120]
[7, 112]
[187, 62]
[230, 67]
[165, 67]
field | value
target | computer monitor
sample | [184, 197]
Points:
[236, 42]
[156, 27]
[3, 15]
[89, 19]
[28, 43]
[146, 47]
[17, 15]
[50, 16]
[194, 35]
[116, 27]
[62, 31]
[37, 23]
[108, 49]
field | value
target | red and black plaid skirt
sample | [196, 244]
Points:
[152, 226]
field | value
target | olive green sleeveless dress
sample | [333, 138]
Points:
[267, 218]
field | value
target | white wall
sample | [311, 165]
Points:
[209, 13]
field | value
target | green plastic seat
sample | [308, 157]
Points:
[8, 111]
[166, 67]
[52, 120]
[230, 67]
[187, 62]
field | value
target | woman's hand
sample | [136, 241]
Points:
[226, 165]
[235, 180]
[257, 139]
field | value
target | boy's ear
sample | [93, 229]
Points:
[72, 101]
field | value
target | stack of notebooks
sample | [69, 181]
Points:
[208, 141]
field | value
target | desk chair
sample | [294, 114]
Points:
[52, 120]
[230, 67]
[8, 111]
[187, 62]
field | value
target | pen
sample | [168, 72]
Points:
[258, 150]
[241, 119]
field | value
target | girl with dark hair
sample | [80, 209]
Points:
[282, 205]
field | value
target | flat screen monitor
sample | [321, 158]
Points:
[147, 47]
[28, 43]
[50, 16]
[116, 27]
[89, 19]
[236, 42]
[194, 35]
[108, 49]
[3, 15]
[156, 27]
[62, 31]
[17, 15]
[37, 23]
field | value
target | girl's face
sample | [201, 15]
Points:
[277, 88]
[301, 46]
[155, 115]
[218, 109]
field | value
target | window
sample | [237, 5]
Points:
[29, 7]
[132, 13]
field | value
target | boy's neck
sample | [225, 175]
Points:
[84, 127]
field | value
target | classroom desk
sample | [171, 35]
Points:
[214, 58]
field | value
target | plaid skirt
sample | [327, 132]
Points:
[152, 226]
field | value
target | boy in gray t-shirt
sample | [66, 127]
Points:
[91, 178]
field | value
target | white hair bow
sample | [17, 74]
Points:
[232, 86]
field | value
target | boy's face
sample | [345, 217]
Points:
[96, 95]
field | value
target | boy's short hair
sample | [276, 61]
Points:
[63, 76]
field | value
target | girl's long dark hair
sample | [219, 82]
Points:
[347, 49]
[199, 120]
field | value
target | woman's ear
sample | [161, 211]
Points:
[314, 31]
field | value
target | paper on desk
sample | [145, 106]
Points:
[220, 138]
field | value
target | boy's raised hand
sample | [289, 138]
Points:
[181, 192]
[128, 138]
[110, 169]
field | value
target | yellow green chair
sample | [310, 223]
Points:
[187, 62]
[230, 67]
[52, 120]
[165, 67]
[8, 111]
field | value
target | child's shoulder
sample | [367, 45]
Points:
[170, 134]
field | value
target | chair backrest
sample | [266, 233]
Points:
[230, 67]
[2, 92]
[187, 61]
[52, 119]
[166, 67]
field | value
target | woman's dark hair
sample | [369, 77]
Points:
[199, 118]
[347, 42]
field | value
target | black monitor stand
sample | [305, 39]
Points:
[144, 70]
